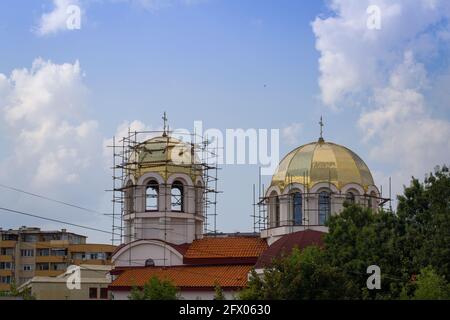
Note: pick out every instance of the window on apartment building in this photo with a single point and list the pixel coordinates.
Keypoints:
(45, 252)
(93, 256)
(58, 266)
(27, 252)
(29, 238)
(5, 279)
(103, 293)
(23, 280)
(97, 256)
(92, 293)
(42, 266)
(9, 237)
(6, 251)
(59, 252)
(27, 267)
(6, 266)
(77, 255)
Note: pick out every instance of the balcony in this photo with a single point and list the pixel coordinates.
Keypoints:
(8, 243)
(90, 261)
(4, 287)
(4, 272)
(46, 259)
(48, 273)
(6, 258)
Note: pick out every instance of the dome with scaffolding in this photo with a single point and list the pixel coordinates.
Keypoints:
(164, 155)
(322, 161)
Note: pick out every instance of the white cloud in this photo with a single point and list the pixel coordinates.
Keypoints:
(56, 20)
(291, 133)
(392, 73)
(50, 146)
(123, 131)
(43, 108)
(354, 58)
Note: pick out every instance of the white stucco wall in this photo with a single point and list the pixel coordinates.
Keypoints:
(184, 295)
(135, 254)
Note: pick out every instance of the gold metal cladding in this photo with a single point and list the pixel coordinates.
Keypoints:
(165, 156)
(322, 162)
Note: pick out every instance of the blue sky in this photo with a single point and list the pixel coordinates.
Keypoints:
(232, 64)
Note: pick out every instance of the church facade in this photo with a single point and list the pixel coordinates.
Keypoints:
(164, 213)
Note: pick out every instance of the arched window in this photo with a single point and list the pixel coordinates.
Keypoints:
(277, 211)
(177, 195)
(373, 200)
(129, 198)
(297, 213)
(350, 197)
(199, 198)
(149, 263)
(324, 207)
(274, 210)
(151, 196)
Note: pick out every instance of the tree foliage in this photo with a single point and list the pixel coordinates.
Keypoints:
(24, 294)
(411, 247)
(155, 289)
(303, 274)
(428, 286)
(218, 292)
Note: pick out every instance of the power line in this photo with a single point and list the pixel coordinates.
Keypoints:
(53, 200)
(53, 220)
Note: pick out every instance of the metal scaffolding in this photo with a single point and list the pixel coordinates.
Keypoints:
(262, 203)
(126, 163)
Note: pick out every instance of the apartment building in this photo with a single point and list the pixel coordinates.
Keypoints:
(28, 252)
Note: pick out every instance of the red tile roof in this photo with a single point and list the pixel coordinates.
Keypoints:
(185, 277)
(220, 250)
(286, 243)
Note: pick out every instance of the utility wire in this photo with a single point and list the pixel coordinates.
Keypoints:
(53, 200)
(53, 220)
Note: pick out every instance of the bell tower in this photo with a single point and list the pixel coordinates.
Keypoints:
(163, 191)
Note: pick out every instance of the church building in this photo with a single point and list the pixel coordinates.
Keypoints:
(164, 214)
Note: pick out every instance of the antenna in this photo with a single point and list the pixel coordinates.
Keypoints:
(390, 196)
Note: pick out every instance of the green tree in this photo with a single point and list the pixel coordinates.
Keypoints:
(428, 286)
(402, 244)
(301, 275)
(218, 292)
(155, 289)
(25, 294)
(423, 235)
(358, 238)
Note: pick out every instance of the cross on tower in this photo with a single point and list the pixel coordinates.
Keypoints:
(164, 117)
(321, 129)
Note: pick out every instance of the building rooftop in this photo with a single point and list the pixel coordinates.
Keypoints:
(225, 250)
(285, 244)
(185, 277)
(36, 230)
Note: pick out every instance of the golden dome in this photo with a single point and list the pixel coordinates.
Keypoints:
(164, 155)
(322, 162)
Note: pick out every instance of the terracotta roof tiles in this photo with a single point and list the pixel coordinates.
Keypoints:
(185, 277)
(226, 247)
(286, 243)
